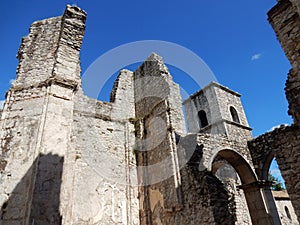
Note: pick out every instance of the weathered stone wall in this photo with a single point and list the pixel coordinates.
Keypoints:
(212, 144)
(242, 211)
(282, 205)
(103, 155)
(19, 140)
(227, 98)
(168, 196)
(158, 117)
(37, 53)
(285, 20)
(103, 140)
(36, 122)
(69, 159)
(231, 181)
(66, 159)
(283, 143)
(175, 170)
(153, 84)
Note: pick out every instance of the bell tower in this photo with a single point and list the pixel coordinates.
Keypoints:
(216, 109)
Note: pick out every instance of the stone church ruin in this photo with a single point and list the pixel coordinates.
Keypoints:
(70, 159)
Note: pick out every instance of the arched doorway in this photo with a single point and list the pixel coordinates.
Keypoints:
(252, 188)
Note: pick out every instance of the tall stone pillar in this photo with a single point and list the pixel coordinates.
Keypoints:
(271, 204)
(159, 120)
(256, 204)
(285, 20)
(36, 122)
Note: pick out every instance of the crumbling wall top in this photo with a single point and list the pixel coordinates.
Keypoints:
(51, 50)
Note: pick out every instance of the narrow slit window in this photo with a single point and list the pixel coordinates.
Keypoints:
(287, 212)
(234, 115)
(202, 118)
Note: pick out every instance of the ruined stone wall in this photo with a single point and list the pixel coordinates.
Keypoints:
(19, 139)
(36, 122)
(104, 169)
(242, 211)
(158, 117)
(285, 20)
(283, 143)
(237, 201)
(177, 187)
(37, 53)
(205, 200)
(103, 153)
(173, 190)
(69, 159)
(53, 138)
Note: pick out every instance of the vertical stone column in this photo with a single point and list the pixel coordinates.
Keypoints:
(159, 119)
(256, 204)
(285, 20)
(36, 123)
(271, 204)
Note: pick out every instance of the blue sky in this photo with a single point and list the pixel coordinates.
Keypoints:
(233, 38)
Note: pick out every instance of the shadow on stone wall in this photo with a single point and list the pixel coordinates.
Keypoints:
(223, 204)
(211, 192)
(46, 186)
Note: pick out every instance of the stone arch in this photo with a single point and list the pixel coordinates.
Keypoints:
(238, 162)
(264, 175)
(252, 188)
(266, 165)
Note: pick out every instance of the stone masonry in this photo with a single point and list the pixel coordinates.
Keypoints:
(284, 142)
(285, 208)
(69, 159)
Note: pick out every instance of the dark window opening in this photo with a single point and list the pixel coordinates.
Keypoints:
(234, 115)
(287, 212)
(202, 118)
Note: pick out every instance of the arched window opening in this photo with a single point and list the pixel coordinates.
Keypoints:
(234, 115)
(271, 172)
(202, 118)
(274, 175)
(287, 212)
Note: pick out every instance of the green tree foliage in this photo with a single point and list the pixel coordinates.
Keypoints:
(276, 184)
